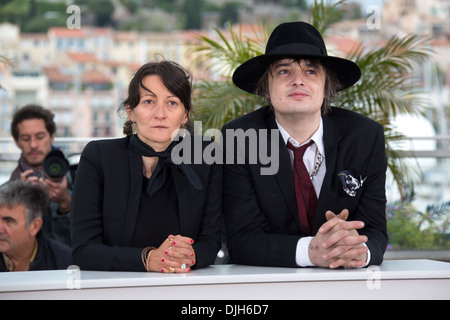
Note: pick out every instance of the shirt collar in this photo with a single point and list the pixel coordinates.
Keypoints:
(10, 265)
(317, 137)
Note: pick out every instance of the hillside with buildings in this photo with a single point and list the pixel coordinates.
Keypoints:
(82, 74)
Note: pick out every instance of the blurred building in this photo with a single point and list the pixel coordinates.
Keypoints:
(83, 74)
(431, 17)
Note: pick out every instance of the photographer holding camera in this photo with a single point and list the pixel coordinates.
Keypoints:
(33, 130)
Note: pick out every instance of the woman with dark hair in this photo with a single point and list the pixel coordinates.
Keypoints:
(133, 208)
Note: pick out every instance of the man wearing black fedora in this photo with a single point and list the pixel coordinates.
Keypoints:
(325, 206)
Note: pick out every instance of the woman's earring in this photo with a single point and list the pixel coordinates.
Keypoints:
(134, 127)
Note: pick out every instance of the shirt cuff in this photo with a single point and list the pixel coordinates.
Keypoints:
(368, 256)
(302, 254)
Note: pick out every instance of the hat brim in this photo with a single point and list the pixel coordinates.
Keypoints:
(247, 75)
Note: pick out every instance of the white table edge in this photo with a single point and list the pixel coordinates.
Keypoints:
(218, 274)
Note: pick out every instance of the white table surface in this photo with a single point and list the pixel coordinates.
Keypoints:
(241, 282)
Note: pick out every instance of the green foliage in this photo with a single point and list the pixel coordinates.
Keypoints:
(193, 14)
(386, 87)
(33, 16)
(409, 229)
(323, 15)
(101, 9)
(166, 5)
(224, 56)
(39, 16)
(233, 103)
(227, 54)
(302, 4)
(15, 11)
(229, 13)
(37, 25)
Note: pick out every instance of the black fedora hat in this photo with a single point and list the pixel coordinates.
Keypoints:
(294, 40)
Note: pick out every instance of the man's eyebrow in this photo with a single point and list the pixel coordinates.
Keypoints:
(8, 219)
(311, 65)
(305, 62)
(282, 65)
(27, 135)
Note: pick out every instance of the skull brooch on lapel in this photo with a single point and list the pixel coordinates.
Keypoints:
(349, 183)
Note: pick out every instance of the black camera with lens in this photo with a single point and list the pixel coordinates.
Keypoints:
(55, 165)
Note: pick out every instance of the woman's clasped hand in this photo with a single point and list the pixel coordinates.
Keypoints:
(175, 254)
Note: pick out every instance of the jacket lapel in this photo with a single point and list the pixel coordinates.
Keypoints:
(285, 174)
(328, 193)
(134, 197)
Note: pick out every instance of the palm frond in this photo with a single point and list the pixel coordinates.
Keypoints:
(323, 15)
(233, 103)
(223, 55)
(229, 51)
(387, 85)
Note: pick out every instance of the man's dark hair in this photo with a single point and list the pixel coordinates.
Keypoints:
(34, 198)
(32, 111)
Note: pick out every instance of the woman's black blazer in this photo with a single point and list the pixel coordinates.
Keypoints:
(105, 204)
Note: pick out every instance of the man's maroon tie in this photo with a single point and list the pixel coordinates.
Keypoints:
(304, 190)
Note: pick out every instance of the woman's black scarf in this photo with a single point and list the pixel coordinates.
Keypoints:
(159, 176)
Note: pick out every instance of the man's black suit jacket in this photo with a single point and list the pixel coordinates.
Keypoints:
(105, 206)
(260, 211)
